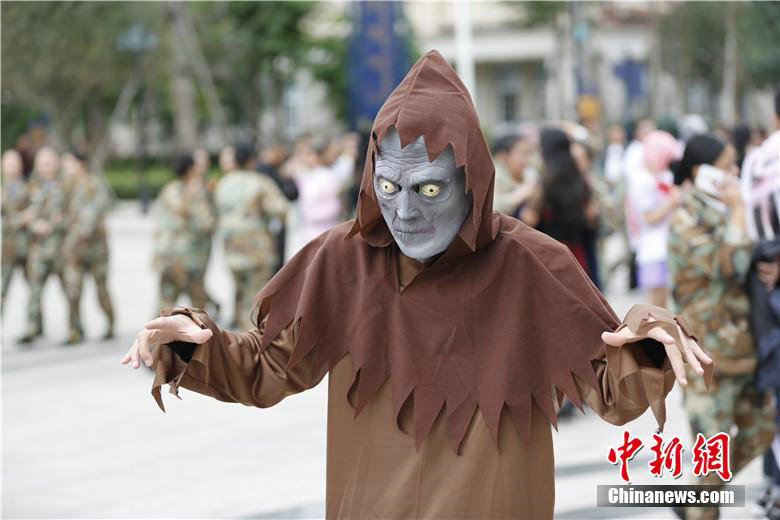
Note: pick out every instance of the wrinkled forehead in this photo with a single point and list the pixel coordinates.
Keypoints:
(413, 154)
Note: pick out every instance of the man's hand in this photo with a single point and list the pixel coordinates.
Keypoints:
(689, 348)
(161, 331)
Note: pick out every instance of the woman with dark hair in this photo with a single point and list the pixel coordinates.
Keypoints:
(709, 253)
(741, 136)
(183, 215)
(567, 213)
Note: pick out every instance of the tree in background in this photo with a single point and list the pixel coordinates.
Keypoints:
(256, 47)
(693, 39)
(61, 59)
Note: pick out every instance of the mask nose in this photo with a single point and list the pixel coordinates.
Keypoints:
(405, 210)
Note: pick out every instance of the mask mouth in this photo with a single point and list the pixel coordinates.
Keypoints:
(411, 235)
(406, 230)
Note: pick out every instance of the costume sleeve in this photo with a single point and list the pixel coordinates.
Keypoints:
(231, 366)
(639, 374)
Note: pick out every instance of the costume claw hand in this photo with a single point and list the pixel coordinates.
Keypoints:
(689, 349)
(161, 331)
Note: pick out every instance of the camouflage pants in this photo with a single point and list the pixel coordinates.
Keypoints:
(7, 266)
(175, 280)
(75, 269)
(733, 405)
(39, 268)
(248, 283)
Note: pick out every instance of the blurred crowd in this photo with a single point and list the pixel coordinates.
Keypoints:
(697, 208)
(53, 223)
(247, 205)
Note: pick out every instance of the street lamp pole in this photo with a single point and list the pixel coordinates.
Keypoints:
(137, 40)
(143, 184)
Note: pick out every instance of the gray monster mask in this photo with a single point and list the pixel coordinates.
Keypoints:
(423, 203)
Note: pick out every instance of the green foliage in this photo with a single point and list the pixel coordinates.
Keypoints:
(758, 29)
(62, 60)
(693, 34)
(15, 121)
(253, 47)
(62, 57)
(123, 177)
(126, 184)
(330, 67)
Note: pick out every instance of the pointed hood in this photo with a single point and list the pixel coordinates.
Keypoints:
(432, 101)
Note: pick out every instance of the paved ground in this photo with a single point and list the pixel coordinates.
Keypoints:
(82, 437)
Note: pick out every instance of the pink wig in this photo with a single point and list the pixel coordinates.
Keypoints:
(660, 149)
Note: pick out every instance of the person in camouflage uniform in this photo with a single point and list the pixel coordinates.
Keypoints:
(202, 162)
(46, 223)
(15, 200)
(246, 201)
(86, 241)
(709, 258)
(184, 216)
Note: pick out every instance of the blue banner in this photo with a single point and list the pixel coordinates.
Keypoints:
(378, 58)
(632, 73)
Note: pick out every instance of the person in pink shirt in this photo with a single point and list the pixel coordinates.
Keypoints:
(321, 184)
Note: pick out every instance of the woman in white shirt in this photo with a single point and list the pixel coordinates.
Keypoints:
(654, 195)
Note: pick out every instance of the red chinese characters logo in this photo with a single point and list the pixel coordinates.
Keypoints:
(712, 455)
(667, 457)
(624, 453)
(708, 455)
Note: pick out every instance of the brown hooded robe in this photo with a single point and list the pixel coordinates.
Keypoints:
(444, 378)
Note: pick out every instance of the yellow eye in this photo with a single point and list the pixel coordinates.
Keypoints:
(430, 190)
(387, 186)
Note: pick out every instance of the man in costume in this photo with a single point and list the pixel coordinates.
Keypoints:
(449, 332)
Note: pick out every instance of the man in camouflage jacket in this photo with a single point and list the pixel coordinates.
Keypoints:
(246, 201)
(184, 217)
(86, 241)
(15, 200)
(46, 224)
